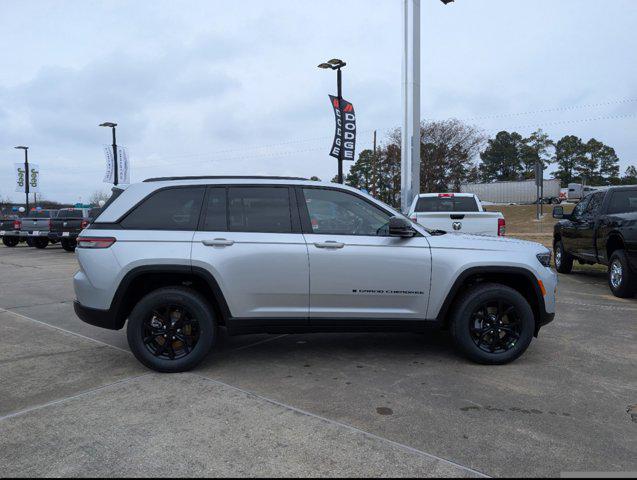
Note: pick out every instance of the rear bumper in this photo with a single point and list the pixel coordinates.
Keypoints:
(98, 318)
(62, 236)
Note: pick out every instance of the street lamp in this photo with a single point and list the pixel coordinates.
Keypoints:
(337, 64)
(26, 174)
(112, 126)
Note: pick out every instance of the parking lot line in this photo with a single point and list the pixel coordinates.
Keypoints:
(351, 428)
(19, 315)
(71, 397)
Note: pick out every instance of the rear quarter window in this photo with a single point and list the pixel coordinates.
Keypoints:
(168, 209)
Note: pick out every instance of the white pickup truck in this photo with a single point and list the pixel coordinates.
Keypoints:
(456, 212)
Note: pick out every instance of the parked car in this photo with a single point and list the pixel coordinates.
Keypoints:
(68, 224)
(602, 229)
(35, 227)
(177, 258)
(460, 212)
(10, 230)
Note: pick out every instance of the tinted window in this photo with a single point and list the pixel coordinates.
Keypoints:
(580, 207)
(595, 204)
(340, 213)
(43, 214)
(623, 202)
(71, 213)
(215, 217)
(447, 204)
(171, 209)
(259, 209)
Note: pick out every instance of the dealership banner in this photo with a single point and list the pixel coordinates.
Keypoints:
(123, 170)
(33, 177)
(345, 136)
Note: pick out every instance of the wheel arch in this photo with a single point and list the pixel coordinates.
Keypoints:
(520, 279)
(614, 242)
(142, 280)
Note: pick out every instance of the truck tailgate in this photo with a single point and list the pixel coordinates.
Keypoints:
(479, 223)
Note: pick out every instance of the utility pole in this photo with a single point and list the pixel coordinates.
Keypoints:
(115, 165)
(337, 64)
(26, 175)
(374, 167)
(410, 144)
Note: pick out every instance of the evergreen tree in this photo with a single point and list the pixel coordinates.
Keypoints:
(569, 152)
(502, 159)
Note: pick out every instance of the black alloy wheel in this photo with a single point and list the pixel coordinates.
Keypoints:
(495, 326)
(170, 332)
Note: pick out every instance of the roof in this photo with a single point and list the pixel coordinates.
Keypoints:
(221, 177)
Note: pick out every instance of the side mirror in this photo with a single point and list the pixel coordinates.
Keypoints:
(558, 212)
(400, 227)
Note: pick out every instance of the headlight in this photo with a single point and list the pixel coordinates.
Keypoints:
(544, 258)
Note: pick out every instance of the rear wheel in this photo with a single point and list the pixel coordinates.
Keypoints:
(171, 329)
(621, 280)
(492, 324)
(10, 241)
(40, 242)
(68, 245)
(563, 261)
(29, 241)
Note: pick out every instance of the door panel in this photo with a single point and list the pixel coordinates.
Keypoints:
(368, 277)
(260, 274)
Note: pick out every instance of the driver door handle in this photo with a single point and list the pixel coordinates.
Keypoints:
(329, 244)
(218, 242)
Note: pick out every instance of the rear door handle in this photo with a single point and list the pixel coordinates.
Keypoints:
(329, 244)
(218, 242)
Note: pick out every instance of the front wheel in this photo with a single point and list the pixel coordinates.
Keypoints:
(563, 261)
(621, 280)
(171, 329)
(10, 241)
(492, 324)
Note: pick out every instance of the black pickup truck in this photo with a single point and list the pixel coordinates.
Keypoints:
(601, 229)
(68, 224)
(10, 230)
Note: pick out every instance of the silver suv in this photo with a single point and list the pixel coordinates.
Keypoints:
(180, 257)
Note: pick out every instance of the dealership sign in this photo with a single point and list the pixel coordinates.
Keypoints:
(21, 178)
(123, 170)
(344, 144)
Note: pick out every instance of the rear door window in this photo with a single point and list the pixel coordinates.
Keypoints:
(168, 209)
(259, 209)
(446, 204)
(623, 202)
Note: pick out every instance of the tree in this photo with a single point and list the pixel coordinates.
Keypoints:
(98, 196)
(535, 149)
(569, 152)
(599, 165)
(630, 176)
(502, 159)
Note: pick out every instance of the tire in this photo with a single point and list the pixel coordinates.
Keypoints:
(40, 243)
(10, 241)
(68, 245)
(165, 301)
(475, 333)
(621, 280)
(29, 241)
(563, 261)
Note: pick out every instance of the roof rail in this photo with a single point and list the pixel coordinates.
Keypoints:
(221, 177)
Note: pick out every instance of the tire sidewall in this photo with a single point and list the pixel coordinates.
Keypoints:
(199, 308)
(462, 318)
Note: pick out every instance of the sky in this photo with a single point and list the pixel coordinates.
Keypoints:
(214, 87)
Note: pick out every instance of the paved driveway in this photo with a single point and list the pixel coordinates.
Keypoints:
(73, 400)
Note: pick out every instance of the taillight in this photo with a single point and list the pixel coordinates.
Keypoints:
(501, 227)
(50, 224)
(414, 219)
(17, 224)
(95, 242)
(84, 224)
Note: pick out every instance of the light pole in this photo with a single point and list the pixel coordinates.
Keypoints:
(26, 174)
(115, 172)
(410, 144)
(336, 64)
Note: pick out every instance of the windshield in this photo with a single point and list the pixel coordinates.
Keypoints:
(447, 204)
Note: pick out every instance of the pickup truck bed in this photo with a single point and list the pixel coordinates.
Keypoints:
(456, 212)
(68, 224)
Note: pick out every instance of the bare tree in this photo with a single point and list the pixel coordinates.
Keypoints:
(97, 196)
